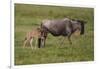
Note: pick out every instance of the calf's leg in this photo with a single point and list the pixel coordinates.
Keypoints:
(25, 43)
(31, 40)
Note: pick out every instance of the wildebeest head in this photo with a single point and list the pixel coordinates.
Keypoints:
(41, 40)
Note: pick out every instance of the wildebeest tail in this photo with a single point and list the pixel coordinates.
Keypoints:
(82, 28)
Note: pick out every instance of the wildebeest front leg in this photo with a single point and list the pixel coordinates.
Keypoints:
(39, 42)
(42, 42)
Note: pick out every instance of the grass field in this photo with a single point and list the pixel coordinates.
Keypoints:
(30, 16)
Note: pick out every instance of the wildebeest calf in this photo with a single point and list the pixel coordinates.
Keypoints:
(34, 34)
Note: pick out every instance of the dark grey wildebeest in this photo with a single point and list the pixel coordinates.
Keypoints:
(60, 27)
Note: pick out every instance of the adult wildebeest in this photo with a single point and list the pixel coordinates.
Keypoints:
(61, 27)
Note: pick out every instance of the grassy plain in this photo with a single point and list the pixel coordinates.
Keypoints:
(30, 16)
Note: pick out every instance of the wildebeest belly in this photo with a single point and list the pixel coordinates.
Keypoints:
(55, 33)
(57, 30)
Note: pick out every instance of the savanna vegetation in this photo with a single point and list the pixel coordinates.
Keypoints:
(29, 16)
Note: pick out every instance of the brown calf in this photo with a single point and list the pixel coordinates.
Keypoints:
(34, 34)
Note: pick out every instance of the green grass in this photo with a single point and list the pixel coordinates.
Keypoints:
(30, 16)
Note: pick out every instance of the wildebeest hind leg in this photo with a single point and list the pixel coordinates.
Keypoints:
(69, 40)
(62, 41)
